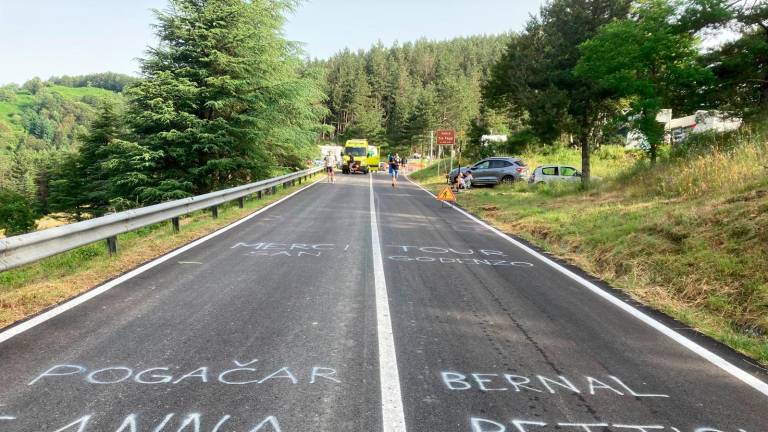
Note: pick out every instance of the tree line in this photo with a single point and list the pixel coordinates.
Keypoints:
(582, 68)
(395, 96)
(115, 82)
(580, 71)
(223, 99)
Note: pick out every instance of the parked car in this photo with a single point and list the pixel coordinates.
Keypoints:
(554, 173)
(493, 171)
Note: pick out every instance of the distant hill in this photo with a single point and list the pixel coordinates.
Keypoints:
(43, 116)
(40, 123)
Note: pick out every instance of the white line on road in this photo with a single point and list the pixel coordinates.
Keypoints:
(45, 316)
(713, 358)
(393, 417)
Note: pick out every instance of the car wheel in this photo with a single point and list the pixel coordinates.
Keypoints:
(507, 180)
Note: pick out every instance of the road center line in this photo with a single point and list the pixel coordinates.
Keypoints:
(708, 355)
(393, 417)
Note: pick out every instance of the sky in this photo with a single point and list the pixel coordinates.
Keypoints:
(72, 37)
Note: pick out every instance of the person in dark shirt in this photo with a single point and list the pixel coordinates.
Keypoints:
(394, 168)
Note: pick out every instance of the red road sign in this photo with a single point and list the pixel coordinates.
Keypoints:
(446, 137)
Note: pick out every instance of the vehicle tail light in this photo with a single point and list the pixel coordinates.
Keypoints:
(520, 170)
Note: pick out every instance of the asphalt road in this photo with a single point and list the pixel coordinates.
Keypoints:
(312, 316)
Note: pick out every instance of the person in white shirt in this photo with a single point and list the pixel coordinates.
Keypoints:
(468, 180)
(330, 162)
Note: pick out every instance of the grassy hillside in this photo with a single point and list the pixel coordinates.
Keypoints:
(688, 236)
(16, 110)
(10, 111)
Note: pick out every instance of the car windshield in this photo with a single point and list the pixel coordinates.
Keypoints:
(520, 163)
(355, 151)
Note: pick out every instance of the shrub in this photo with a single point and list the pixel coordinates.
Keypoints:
(16, 213)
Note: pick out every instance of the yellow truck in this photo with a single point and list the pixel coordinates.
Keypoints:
(365, 157)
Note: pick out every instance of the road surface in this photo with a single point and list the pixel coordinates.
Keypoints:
(358, 307)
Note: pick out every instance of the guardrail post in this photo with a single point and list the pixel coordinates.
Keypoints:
(241, 202)
(112, 245)
(259, 195)
(28, 248)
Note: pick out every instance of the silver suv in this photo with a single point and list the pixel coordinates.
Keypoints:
(494, 170)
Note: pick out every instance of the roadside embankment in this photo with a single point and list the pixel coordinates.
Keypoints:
(687, 236)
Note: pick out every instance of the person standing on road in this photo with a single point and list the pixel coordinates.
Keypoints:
(330, 162)
(394, 168)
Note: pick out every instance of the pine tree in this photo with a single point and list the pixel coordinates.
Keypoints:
(16, 213)
(224, 99)
(93, 152)
(536, 76)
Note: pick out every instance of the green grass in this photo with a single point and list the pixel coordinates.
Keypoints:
(688, 236)
(32, 288)
(10, 111)
(80, 92)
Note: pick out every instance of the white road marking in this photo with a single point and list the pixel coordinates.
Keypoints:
(190, 262)
(58, 310)
(393, 417)
(708, 355)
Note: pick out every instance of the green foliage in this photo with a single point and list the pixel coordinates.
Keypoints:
(16, 213)
(54, 117)
(34, 85)
(223, 100)
(657, 67)
(82, 184)
(535, 78)
(108, 81)
(396, 96)
(741, 68)
(38, 132)
(67, 189)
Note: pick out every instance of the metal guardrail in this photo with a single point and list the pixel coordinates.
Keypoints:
(27, 248)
